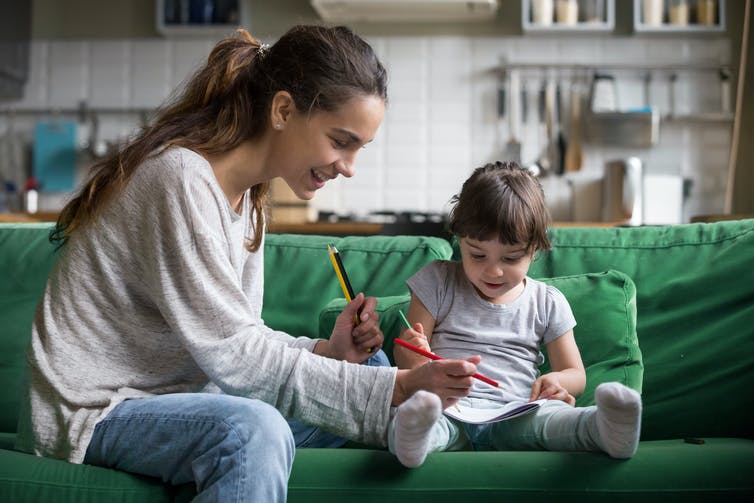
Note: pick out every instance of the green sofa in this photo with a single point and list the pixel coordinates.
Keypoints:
(666, 310)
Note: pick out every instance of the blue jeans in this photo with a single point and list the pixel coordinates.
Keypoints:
(311, 436)
(234, 449)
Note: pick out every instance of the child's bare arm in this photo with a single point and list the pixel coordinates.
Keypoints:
(567, 378)
(419, 335)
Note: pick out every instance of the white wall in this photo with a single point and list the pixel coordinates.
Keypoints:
(441, 120)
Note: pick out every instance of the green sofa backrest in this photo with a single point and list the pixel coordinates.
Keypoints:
(26, 257)
(300, 280)
(695, 317)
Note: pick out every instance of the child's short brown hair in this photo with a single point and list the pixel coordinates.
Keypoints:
(502, 201)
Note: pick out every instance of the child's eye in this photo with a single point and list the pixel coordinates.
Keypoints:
(512, 260)
(476, 256)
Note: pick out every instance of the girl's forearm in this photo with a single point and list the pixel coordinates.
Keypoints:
(573, 380)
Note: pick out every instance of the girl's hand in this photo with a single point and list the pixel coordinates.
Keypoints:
(548, 386)
(448, 379)
(415, 336)
(353, 343)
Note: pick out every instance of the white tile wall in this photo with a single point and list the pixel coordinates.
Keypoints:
(441, 120)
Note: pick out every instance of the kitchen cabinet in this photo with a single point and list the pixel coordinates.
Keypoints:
(198, 17)
(679, 16)
(564, 16)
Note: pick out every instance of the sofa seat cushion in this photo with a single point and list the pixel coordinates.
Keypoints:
(660, 471)
(24, 477)
(604, 305)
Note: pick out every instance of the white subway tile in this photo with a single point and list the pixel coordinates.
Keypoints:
(151, 74)
(187, 57)
(37, 89)
(109, 77)
(69, 73)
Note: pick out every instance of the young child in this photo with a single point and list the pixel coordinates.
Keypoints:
(486, 305)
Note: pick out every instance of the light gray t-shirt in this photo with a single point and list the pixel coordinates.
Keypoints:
(159, 295)
(509, 337)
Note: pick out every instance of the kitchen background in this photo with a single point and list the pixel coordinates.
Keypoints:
(564, 95)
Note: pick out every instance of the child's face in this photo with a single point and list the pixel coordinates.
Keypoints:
(496, 270)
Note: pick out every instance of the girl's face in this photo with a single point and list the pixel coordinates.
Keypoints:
(496, 270)
(317, 148)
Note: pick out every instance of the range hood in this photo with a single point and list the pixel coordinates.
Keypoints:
(342, 11)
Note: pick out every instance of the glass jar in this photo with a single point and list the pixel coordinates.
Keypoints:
(567, 12)
(678, 12)
(706, 12)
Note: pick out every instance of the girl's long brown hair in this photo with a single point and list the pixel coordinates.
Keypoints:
(227, 102)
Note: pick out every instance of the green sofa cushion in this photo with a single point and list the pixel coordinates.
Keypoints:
(661, 471)
(387, 310)
(376, 265)
(604, 305)
(695, 305)
(31, 478)
(25, 262)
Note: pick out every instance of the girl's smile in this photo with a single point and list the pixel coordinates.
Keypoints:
(496, 270)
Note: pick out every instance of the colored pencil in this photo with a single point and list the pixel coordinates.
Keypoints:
(345, 284)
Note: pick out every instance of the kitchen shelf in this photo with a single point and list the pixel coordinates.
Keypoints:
(665, 27)
(710, 117)
(196, 18)
(604, 23)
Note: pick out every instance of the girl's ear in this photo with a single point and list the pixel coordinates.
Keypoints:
(281, 109)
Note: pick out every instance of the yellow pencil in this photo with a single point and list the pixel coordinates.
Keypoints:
(345, 285)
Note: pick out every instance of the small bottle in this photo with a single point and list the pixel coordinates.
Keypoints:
(31, 196)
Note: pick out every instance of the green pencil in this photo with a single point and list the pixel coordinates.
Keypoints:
(403, 317)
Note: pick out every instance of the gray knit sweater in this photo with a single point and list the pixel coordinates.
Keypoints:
(159, 295)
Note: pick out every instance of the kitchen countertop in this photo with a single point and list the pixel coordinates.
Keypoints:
(343, 228)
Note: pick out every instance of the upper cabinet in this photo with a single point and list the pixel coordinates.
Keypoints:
(668, 16)
(568, 15)
(197, 17)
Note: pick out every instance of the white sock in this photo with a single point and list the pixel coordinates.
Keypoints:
(618, 419)
(414, 419)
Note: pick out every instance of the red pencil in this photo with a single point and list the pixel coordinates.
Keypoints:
(433, 356)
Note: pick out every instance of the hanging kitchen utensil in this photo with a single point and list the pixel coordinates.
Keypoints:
(512, 150)
(574, 156)
(546, 159)
(502, 105)
(604, 95)
(559, 123)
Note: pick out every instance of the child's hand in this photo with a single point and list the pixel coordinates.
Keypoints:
(548, 387)
(415, 336)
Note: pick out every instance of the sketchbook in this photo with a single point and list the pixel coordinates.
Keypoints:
(474, 415)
